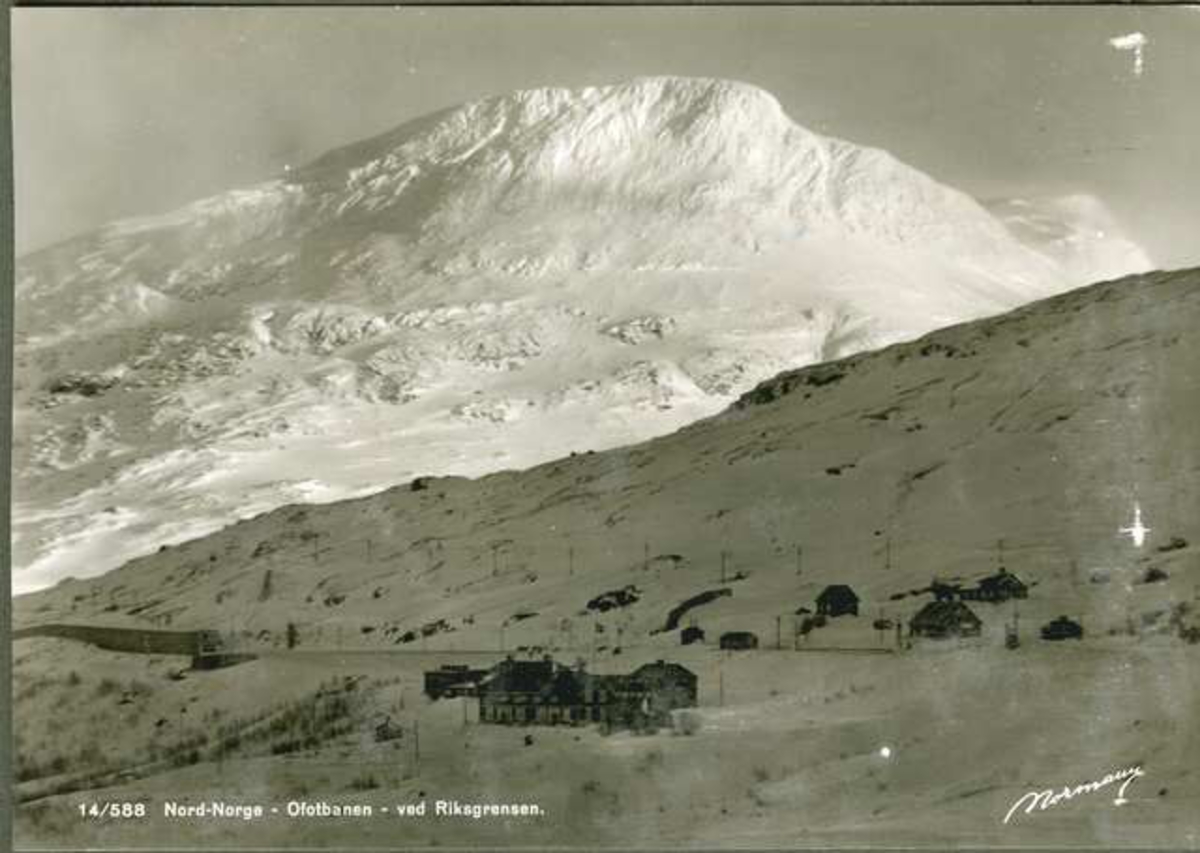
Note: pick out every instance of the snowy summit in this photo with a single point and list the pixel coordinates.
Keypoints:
(486, 287)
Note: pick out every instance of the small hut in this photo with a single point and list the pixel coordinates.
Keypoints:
(943, 619)
(998, 587)
(691, 634)
(1062, 628)
(837, 600)
(738, 640)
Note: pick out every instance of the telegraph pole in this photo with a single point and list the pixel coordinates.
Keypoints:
(417, 745)
(778, 633)
(723, 558)
(799, 559)
(571, 561)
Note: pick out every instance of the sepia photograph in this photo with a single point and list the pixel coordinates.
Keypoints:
(611, 427)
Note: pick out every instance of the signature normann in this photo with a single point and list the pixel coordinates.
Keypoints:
(1045, 799)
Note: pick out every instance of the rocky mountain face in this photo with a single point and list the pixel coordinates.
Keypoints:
(1029, 440)
(487, 287)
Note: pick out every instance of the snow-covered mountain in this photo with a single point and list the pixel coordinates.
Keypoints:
(1077, 231)
(486, 287)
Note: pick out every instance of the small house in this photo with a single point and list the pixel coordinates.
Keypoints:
(738, 640)
(691, 634)
(1062, 628)
(667, 686)
(998, 587)
(837, 600)
(943, 619)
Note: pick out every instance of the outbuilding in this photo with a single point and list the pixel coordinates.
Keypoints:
(1062, 628)
(941, 620)
(738, 640)
(998, 587)
(837, 600)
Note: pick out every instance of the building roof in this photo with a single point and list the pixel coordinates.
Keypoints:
(943, 614)
(837, 590)
(1002, 579)
(521, 676)
(664, 668)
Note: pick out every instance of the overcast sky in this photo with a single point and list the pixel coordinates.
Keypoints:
(122, 112)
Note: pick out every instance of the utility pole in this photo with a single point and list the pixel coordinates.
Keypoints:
(887, 554)
(417, 745)
(799, 559)
(368, 550)
(779, 633)
(495, 560)
(1000, 553)
(723, 558)
(645, 556)
(571, 561)
(720, 686)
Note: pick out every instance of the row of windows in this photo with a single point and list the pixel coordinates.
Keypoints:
(528, 714)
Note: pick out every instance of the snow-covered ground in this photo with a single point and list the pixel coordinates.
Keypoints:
(484, 288)
(1033, 439)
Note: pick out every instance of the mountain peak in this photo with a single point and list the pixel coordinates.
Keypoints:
(483, 287)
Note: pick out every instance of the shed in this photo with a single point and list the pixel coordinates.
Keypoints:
(837, 600)
(998, 587)
(943, 619)
(691, 634)
(1062, 628)
(668, 686)
(738, 640)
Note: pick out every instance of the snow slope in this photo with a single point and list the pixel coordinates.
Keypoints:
(1047, 427)
(482, 288)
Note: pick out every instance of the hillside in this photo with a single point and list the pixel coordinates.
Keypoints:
(1044, 427)
(488, 287)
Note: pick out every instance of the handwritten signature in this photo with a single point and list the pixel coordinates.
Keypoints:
(1042, 800)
